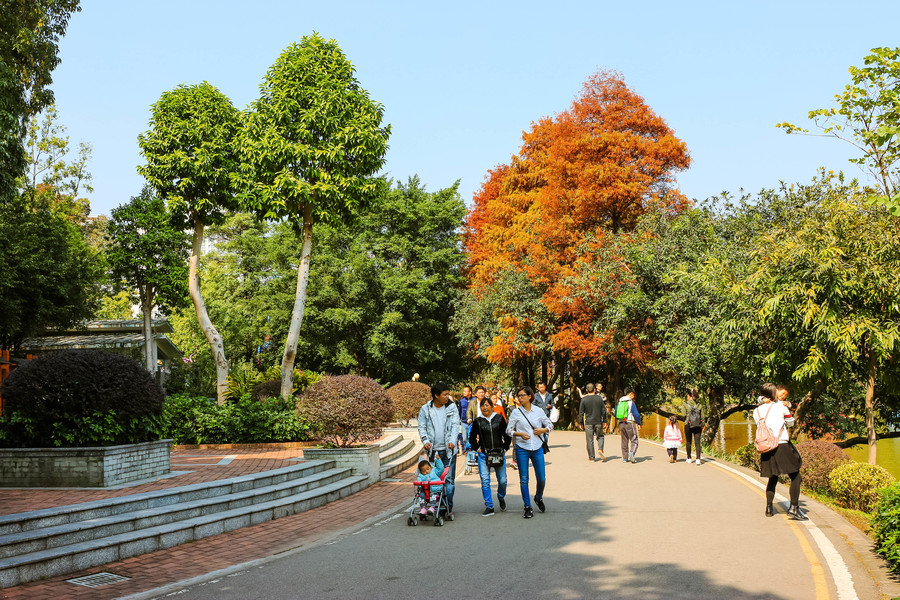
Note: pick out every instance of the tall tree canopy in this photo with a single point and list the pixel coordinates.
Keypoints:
(191, 157)
(29, 44)
(585, 174)
(311, 144)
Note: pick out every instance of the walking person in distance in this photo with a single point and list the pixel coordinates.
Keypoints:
(630, 418)
(693, 424)
(592, 415)
(528, 425)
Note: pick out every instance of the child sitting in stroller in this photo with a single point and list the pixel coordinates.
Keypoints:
(429, 495)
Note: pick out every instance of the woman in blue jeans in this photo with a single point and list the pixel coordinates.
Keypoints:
(489, 439)
(528, 425)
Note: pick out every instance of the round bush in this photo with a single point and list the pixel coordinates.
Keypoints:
(408, 397)
(267, 389)
(748, 456)
(347, 410)
(819, 459)
(885, 526)
(857, 485)
(80, 398)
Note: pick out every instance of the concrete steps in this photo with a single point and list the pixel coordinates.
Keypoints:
(398, 452)
(49, 542)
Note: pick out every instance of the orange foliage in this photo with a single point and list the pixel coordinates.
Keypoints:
(589, 172)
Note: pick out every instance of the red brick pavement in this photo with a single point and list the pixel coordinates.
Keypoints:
(201, 463)
(164, 567)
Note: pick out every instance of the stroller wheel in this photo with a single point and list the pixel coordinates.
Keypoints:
(410, 521)
(439, 522)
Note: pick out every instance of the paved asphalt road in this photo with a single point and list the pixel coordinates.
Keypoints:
(650, 530)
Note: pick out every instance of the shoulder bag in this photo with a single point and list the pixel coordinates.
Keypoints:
(544, 445)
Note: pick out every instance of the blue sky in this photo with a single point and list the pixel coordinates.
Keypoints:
(461, 81)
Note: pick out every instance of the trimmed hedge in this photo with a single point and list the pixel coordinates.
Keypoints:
(819, 459)
(408, 397)
(857, 485)
(885, 526)
(190, 420)
(347, 410)
(75, 398)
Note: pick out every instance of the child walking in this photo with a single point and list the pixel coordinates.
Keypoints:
(672, 439)
(427, 473)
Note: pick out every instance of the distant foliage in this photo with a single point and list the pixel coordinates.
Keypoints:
(408, 397)
(819, 459)
(190, 420)
(80, 398)
(885, 526)
(857, 485)
(347, 410)
(748, 457)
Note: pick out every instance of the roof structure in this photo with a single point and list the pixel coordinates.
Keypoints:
(111, 334)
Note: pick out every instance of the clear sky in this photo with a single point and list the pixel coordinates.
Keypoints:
(461, 81)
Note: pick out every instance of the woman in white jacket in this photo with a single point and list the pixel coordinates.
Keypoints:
(783, 460)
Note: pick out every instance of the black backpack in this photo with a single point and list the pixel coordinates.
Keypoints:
(693, 418)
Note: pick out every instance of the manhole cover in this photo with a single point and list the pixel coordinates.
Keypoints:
(98, 579)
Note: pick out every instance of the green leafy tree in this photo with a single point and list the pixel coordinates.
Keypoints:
(49, 278)
(149, 255)
(191, 156)
(311, 143)
(868, 117)
(29, 44)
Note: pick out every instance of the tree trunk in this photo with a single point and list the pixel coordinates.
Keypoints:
(290, 346)
(805, 407)
(212, 335)
(146, 311)
(870, 407)
(714, 416)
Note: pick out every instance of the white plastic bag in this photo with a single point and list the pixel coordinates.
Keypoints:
(554, 415)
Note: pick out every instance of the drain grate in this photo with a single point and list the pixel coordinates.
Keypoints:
(98, 579)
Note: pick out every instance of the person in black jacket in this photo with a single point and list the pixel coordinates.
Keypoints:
(489, 439)
(592, 415)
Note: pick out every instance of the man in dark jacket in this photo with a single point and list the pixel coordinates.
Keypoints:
(592, 414)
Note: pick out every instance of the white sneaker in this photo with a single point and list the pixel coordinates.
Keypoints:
(698, 461)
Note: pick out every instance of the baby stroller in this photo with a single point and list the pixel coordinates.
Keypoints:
(430, 493)
(471, 455)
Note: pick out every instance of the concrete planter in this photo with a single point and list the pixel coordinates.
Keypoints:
(363, 461)
(83, 467)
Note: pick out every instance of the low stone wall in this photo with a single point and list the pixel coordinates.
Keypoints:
(362, 461)
(83, 467)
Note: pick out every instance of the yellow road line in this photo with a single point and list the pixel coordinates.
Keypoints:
(818, 572)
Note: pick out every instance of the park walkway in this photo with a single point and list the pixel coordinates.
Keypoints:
(612, 530)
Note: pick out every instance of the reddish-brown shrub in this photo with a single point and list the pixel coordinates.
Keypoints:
(408, 397)
(346, 410)
(819, 459)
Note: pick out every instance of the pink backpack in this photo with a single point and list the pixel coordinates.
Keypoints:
(765, 440)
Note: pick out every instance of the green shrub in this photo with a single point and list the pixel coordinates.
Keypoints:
(857, 485)
(80, 398)
(201, 421)
(819, 459)
(747, 456)
(408, 397)
(346, 410)
(885, 526)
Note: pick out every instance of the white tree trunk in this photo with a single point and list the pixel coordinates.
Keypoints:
(290, 346)
(870, 407)
(212, 335)
(146, 310)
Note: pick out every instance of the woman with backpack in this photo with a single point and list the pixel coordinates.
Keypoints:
(784, 458)
(693, 424)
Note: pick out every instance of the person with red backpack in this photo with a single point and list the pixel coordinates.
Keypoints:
(783, 459)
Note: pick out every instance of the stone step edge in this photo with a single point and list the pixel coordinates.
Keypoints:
(397, 449)
(75, 557)
(408, 459)
(80, 527)
(17, 522)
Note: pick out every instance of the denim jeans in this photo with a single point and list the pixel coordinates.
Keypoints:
(485, 473)
(451, 474)
(537, 459)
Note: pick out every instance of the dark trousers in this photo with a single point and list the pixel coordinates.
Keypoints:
(795, 488)
(590, 432)
(692, 434)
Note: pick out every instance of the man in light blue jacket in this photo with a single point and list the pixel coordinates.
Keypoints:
(439, 429)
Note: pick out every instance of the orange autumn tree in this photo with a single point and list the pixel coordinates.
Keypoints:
(579, 178)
